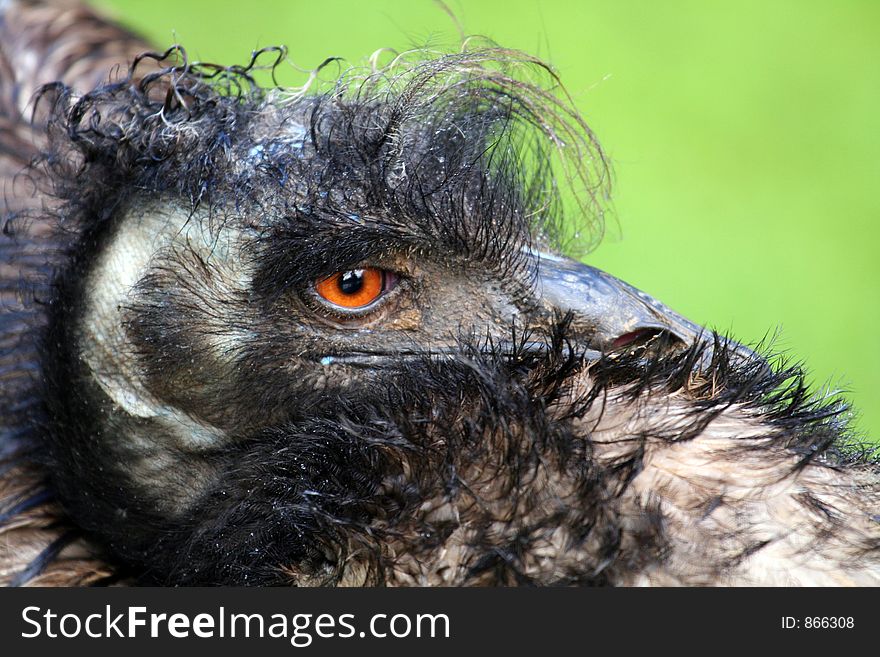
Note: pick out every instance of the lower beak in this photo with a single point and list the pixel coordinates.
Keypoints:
(614, 315)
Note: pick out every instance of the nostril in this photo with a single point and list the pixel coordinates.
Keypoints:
(642, 338)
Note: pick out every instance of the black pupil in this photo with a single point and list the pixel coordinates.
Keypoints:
(351, 281)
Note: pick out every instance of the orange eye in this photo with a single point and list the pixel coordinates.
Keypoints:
(355, 288)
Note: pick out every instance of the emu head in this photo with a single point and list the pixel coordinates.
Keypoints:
(329, 338)
(299, 331)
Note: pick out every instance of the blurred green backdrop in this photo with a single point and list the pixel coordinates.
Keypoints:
(745, 138)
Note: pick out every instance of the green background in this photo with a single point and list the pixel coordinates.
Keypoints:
(745, 139)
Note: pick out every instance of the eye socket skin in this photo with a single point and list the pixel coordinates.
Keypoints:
(355, 289)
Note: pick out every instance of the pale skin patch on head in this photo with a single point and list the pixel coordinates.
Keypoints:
(111, 287)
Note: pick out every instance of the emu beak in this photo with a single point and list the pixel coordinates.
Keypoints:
(614, 314)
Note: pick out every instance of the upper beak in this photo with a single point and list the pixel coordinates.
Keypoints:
(612, 314)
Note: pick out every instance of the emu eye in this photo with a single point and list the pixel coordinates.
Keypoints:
(356, 288)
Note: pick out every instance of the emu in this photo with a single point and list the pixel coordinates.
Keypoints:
(256, 337)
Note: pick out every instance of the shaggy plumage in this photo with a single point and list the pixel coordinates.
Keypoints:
(185, 408)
